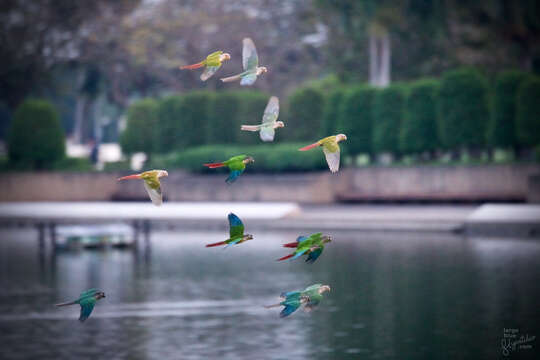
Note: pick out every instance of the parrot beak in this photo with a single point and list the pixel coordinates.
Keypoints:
(281, 124)
(343, 136)
(226, 56)
(163, 173)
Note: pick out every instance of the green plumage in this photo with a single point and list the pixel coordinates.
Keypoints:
(86, 300)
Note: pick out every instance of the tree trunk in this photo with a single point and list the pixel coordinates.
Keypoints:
(373, 60)
(386, 53)
(380, 56)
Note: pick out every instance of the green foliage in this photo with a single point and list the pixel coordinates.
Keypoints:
(122, 165)
(528, 112)
(418, 131)
(193, 119)
(462, 105)
(168, 127)
(355, 119)
(268, 158)
(224, 121)
(332, 105)
(36, 139)
(306, 106)
(141, 131)
(501, 132)
(73, 164)
(388, 113)
(252, 108)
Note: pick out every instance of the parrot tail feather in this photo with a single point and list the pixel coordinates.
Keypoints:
(250, 127)
(309, 147)
(291, 245)
(129, 177)
(231, 78)
(66, 303)
(216, 244)
(214, 165)
(286, 257)
(272, 306)
(192, 67)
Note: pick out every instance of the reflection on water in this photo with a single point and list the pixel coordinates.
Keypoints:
(406, 296)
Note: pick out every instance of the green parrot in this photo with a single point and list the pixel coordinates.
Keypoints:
(236, 233)
(269, 123)
(308, 298)
(86, 300)
(212, 62)
(330, 147)
(312, 246)
(151, 183)
(250, 62)
(236, 165)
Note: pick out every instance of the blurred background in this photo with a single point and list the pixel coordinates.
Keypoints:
(434, 213)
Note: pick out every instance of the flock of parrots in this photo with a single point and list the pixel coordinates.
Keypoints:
(312, 246)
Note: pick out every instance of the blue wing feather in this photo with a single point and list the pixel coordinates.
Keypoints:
(248, 79)
(301, 238)
(86, 310)
(236, 227)
(233, 175)
(298, 254)
(312, 256)
(288, 310)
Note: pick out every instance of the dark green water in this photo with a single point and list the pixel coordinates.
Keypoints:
(408, 296)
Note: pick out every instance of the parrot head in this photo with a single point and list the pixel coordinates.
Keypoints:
(99, 295)
(248, 160)
(247, 237)
(162, 173)
(280, 124)
(324, 288)
(261, 70)
(341, 137)
(225, 56)
(326, 239)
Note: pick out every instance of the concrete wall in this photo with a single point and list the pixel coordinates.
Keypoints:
(444, 183)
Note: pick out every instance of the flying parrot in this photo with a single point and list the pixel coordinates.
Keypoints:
(250, 62)
(236, 233)
(86, 300)
(330, 146)
(312, 246)
(212, 62)
(236, 165)
(151, 183)
(308, 298)
(269, 123)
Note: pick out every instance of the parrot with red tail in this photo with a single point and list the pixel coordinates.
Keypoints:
(151, 183)
(330, 147)
(312, 246)
(212, 62)
(236, 165)
(236, 233)
(308, 298)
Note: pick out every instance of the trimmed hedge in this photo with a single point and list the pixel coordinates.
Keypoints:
(418, 131)
(528, 112)
(268, 158)
(36, 139)
(388, 113)
(193, 119)
(463, 112)
(355, 119)
(501, 131)
(306, 106)
(140, 133)
(330, 120)
(224, 121)
(168, 127)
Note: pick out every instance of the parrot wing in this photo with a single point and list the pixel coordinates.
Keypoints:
(267, 133)
(271, 112)
(299, 253)
(313, 255)
(248, 79)
(233, 175)
(87, 305)
(154, 193)
(236, 227)
(316, 236)
(302, 238)
(208, 72)
(332, 158)
(215, 53)
(250, 60)
(288, 310)
(89, 292)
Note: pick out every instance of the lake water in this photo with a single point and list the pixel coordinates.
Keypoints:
(393, 297)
